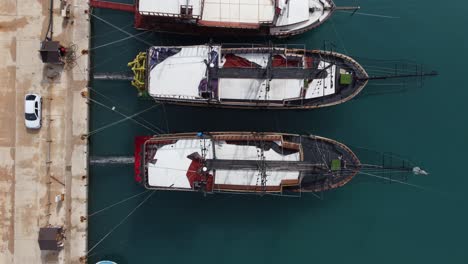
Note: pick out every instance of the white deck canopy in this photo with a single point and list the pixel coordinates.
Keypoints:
(293, 11)
(239, 11)
(299, 14)
(172, 164)
(322, 87)
(169, 6)
(180, 75)
(255, 89)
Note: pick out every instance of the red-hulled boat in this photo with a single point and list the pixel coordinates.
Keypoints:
(279, 18)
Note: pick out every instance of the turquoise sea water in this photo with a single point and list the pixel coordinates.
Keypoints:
(366, 221)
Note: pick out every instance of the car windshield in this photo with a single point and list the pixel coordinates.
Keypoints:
(30, 117)
(30, 97)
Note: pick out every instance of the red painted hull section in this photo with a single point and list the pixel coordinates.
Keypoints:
(113, 6)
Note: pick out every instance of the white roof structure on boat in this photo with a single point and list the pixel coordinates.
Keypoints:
(293, 12)
(180, 75)
(170, 169)
(298, 14)
(252, 177)
(292, 15)
(255, 89)
(322, 87)
(169, 6)
(239, 11)
(172, 164)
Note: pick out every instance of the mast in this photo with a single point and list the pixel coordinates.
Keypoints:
(268, 73)
(262, 166)
(203, 171)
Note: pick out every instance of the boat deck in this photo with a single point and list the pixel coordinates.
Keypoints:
(322, 164)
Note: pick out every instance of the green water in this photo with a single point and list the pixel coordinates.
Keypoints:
(366, 221)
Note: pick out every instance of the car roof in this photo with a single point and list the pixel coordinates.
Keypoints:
(29, 106)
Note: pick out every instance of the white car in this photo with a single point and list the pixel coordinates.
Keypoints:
(32, 111)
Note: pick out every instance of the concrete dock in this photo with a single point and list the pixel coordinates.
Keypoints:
(36, 166)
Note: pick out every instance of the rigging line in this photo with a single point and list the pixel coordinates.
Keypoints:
(390, 69)
(371, 165)
(122, 51)
(116, 103)
(121, 222)
(121, 30)
(447, 195)
(389, 72)
(380, 171)
(397, 181)
(117, 41)
(110, 58)
(124, 115)
(368, 14)
(110, 31)
(323, 158)
(176, 169)
(117, 203)
(338, 35)
(129, 117)
(118, 121)
(316, 195)
(165, 117)
(387, 154)
(387, 84)
(380, 61)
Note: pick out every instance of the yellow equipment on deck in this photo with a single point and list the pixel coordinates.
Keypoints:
(138, 66)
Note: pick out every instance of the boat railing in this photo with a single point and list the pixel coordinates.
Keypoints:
(177, 96)
(161, 14)
(265, 22)
(265, 46)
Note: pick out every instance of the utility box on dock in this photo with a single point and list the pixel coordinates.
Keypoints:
(51, 238)
(50, 52)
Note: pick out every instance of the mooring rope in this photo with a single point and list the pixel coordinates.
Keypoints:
(338, 36)
(115, 103)
(128, 117)
(117, 203)
(397, 181)
(119, 29)
(110, 31)
(120, 121)
(121, 222)
(117, 41)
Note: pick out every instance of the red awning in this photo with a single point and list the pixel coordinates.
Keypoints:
(233, 61)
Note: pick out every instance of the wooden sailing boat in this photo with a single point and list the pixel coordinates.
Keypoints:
(258, 163)
(243, 162)
(279, 18)
(270, 77)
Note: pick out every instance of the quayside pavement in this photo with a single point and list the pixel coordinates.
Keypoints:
(38, 165)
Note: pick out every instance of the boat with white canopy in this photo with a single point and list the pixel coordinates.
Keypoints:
(274, 77)
(279, 18)
(243, 162)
